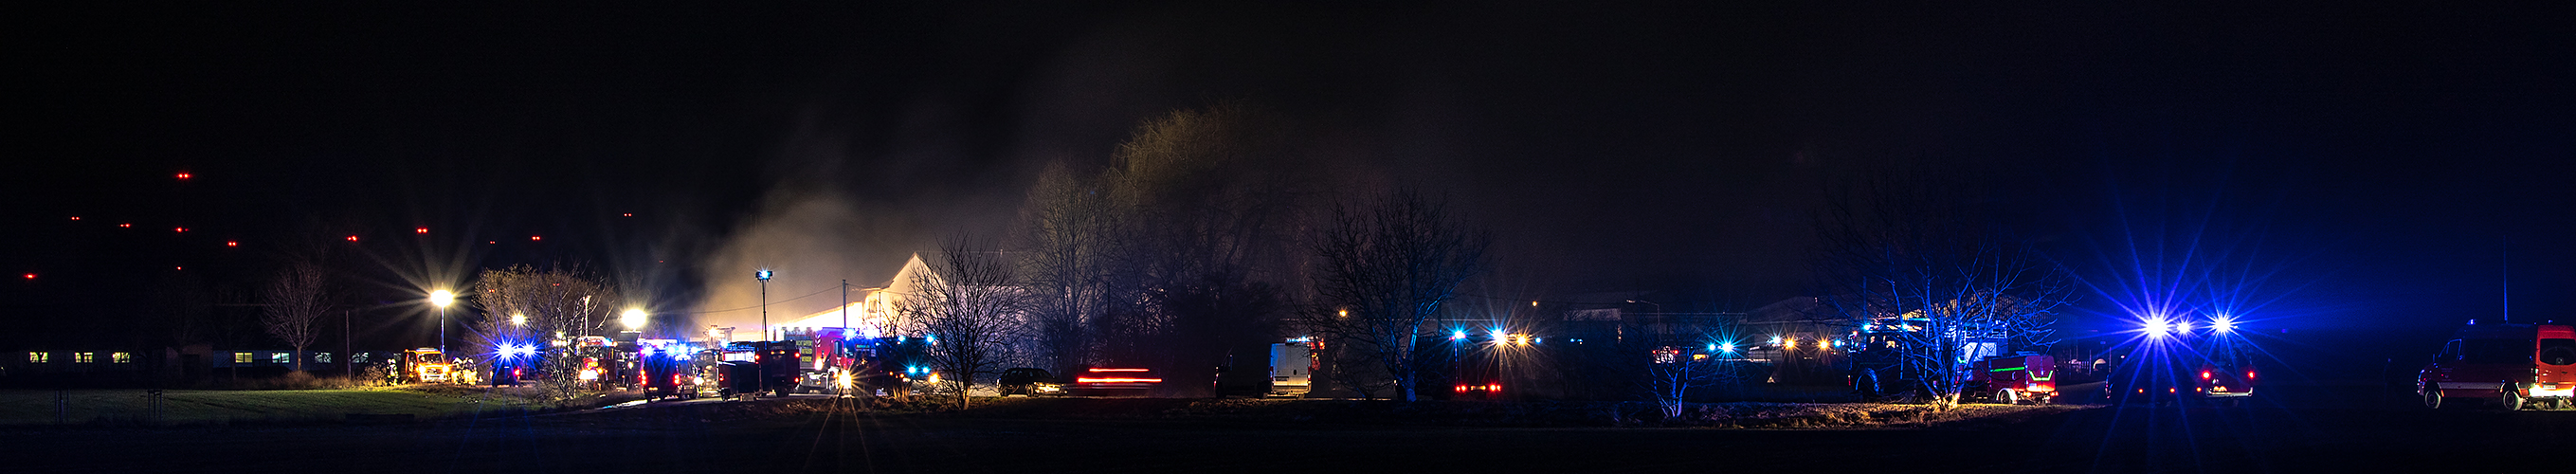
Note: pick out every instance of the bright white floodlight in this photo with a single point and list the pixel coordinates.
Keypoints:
(633, 318)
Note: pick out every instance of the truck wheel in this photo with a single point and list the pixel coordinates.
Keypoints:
(2433, 398)
(2512, 399)
(2007, 397)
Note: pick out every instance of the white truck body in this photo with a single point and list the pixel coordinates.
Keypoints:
(1292, 367)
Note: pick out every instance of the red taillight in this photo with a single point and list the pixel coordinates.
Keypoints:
(2204, 375)
(2249, 375)
(1462, 389)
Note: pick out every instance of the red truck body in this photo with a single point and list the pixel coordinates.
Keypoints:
(2012, 379)
(2519, 366)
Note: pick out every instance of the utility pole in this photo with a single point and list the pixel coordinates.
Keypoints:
(347, 350)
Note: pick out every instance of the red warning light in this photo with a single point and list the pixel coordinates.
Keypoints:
(125, 225)
(492, 241)
(420, 230)
(533, 237)
(630, 214)
(229, 243)
(178, 268)
(185, 175)
(75, 217)
(31, 276)
(179, 229)
(353, 238)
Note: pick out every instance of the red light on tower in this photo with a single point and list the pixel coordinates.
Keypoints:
(31, 276)
(185, 175)
(533, 237)
(420, 230)
(75, 217)
(630, 214)
(229, 243)
(353, 238)
(179, 229)
(125, 225)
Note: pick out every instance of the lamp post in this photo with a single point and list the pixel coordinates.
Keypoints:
(441, 299)
(763, 275)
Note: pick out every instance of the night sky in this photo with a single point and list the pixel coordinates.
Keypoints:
(2350, 165)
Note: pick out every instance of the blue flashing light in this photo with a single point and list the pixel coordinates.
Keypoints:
(1712, 347)
(1775, 340)
(1459, 334)
(763, 275)
(2158, 327)
(2223, 324)
(1726, 348)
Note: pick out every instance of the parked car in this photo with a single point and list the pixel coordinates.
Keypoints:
(1030, 381)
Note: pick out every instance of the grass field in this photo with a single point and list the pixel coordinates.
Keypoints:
(200, 407)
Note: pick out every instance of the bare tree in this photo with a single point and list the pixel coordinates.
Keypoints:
(972, 310)
(1174, 252)
(1381, 272)
(548, 310)
(296, 299)
(1066, 247)
(1908, 264)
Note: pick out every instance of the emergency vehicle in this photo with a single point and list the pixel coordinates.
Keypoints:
(2025, 377)
(760, 366)
(427, 365)
(665, 368)
(2519, 366)
(1292, 368)
(2182, 361)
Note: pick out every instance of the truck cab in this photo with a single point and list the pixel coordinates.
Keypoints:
(427, 365)
(2519, 366)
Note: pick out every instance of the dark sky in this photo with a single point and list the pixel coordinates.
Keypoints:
(2349, 163)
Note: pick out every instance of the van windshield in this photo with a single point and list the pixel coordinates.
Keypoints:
(2496, 351)
(2558, 351)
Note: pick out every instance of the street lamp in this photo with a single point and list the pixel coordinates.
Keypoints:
(441, 299)
(763, 275)
(518, 319)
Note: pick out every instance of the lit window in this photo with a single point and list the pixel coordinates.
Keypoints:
(322, 357)
(39, 357)
(281, 358)
(84, 357)
(241, 357)
(121, 357)
(358, 357)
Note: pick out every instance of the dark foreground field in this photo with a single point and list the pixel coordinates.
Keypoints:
(2334, 431)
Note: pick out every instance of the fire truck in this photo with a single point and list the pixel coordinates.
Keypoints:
(754, 367)
(2024, 377)
(664, 369)
(2519, 366)
(427, 365)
